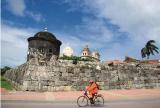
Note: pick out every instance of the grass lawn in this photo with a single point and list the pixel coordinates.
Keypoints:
(5, 84)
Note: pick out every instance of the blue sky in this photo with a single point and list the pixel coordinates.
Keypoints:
(115, 28)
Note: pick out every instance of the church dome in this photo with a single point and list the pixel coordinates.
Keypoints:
(96, 54)
(68, 51)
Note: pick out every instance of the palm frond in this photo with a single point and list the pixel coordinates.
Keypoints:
(151, 51)
(156, 51)
(151, 41)
(153, 46)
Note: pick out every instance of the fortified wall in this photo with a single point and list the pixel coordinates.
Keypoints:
(43, 71)
(64, 75)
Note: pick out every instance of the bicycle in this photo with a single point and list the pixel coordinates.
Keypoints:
(83, 101)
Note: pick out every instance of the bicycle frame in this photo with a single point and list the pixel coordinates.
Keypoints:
(85, 96)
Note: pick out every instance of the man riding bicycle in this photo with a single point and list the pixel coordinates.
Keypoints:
(92, 88)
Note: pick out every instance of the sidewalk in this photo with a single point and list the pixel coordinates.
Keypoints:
(109, 95)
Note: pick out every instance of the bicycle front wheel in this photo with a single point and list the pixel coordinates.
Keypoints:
(99, 101)
(82, 101)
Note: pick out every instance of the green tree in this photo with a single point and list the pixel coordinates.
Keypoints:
(149, 49)
(4, 69)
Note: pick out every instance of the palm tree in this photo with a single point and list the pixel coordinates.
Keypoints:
(149, 49)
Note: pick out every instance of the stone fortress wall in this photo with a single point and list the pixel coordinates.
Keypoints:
(43, 71)
(64, 75)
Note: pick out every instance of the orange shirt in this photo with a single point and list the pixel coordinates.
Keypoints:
(92, 89)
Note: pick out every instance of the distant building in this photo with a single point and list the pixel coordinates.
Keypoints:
(112, 62)
(96, 55)
(130, 59)
(87, 54)
(68, 51)
(150, 61)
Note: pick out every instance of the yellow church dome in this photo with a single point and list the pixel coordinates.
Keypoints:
(68, 51)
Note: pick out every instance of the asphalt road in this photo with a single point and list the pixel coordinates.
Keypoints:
(154, 103)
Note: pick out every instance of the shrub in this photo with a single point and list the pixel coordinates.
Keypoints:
(5, 84)
(4, 69)
(74, 58)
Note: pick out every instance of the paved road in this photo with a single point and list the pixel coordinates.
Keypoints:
(154, 103)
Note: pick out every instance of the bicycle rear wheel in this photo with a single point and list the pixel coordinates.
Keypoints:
(99, 101)
(82, 101)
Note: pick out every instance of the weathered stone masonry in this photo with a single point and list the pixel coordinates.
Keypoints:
(63, 75)
(43, 71)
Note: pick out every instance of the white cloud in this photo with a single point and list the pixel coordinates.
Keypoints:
(138, 18)
(19, 8)
(36, 16)
(14, 44)
(94, 30)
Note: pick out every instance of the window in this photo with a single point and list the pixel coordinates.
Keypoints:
(50, 50)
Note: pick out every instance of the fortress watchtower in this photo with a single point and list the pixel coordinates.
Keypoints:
(43, 45)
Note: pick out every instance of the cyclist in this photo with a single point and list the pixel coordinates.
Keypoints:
(92, 88)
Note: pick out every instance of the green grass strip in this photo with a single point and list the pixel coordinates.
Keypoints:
(6, 84)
